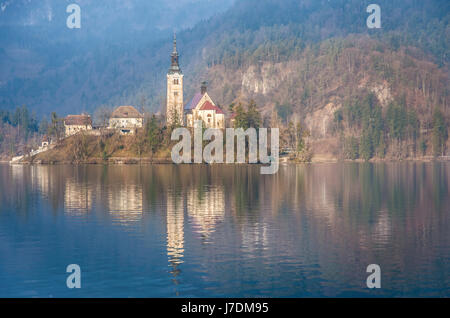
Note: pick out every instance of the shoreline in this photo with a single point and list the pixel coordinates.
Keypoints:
(160, 161)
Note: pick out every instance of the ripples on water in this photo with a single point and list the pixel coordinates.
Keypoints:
(168, 231)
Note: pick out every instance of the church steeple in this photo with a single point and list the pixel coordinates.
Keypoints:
(174, 67)
(175, 104)
(175, 43)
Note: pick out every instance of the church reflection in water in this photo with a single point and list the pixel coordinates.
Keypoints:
(218, 226)
(175, 232)
(125, 202)
(205, 209)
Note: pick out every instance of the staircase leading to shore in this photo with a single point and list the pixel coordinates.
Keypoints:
(32, 153)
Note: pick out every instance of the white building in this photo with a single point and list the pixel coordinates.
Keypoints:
(76, 123)
(126, 119)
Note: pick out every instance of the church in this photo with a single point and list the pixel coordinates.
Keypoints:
(201, 106)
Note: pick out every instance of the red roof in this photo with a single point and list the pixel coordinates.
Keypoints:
(208, 106)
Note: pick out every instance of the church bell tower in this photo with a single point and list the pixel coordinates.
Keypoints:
(175, 106)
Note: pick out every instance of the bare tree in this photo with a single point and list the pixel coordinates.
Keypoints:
(102, 115)
(80, 147)
(101, 118)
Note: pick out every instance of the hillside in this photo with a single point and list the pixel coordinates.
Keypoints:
(300, 70)
(49, 67)
(321, 81)
(122, 61)
(110, 148)
(313, 63)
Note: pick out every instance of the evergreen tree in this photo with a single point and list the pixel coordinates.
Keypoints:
(440, 133)
(283, 111)
(253, 115)
(351, 148)
(57, 126)
(246, 119)
(366, 146)
(338, 119)
(397, 120)
(413, 129)
(44, 126)
(372, 138)
(5, 116)
(423, 147)
(154, 134)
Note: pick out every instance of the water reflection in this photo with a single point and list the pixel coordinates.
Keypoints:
(206, 208)
(255, 238)
(40, 178)
(175, 233)
(175, 228)
(77, 197)
(381, 233)
(309, 230)
(125, 202)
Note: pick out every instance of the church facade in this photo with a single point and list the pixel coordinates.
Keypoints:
(201, 106)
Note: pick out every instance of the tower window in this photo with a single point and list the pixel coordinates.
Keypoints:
(175, 94)
(175, 81)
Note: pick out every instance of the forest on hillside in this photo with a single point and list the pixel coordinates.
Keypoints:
(60, 72)
(312, 68)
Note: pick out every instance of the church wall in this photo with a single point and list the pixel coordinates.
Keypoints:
(215, 120)
(175, 103)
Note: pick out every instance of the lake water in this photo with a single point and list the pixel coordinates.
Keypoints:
(219, 231)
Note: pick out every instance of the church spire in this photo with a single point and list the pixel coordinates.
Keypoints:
(175, 43)
(174, 67)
